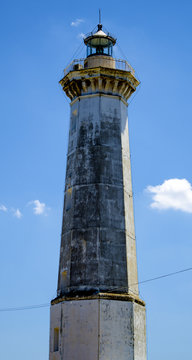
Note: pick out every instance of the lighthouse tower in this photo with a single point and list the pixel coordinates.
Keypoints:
(97, 314)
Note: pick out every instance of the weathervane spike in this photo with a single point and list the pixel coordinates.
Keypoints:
(99, 25)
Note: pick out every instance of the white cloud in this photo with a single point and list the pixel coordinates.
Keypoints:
(38, 207)
(77, 22)
(81, 36)
(3, 208)
(172, 194)
(17, 213)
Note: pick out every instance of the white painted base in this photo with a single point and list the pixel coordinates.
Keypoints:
(98, 329)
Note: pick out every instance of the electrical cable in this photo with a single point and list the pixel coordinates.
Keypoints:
(123, 54)
(153, 279)
(116, 289)
(76, 52)
(24, 307)
(139, 87)
(163, 276)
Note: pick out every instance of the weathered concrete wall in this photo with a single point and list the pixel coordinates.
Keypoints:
(98, 241)
(116, 330)
(102, 60)
(98, 329)
(78, 328)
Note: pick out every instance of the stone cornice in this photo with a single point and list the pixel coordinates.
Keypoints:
(99, 80)
(107, 296)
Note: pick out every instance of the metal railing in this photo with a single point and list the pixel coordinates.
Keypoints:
(76, 64)
(92, 33)
(79, 64)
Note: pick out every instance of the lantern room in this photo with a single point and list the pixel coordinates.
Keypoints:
(99, 43)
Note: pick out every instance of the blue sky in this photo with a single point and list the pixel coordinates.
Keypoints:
(37, 43)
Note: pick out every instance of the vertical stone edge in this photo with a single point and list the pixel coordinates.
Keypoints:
(128, 204)
(139, 320)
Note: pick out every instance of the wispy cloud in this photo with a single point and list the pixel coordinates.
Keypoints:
(17, 213)
(38, 207)
(81, 36)
(77, 22)
(172, 194)
(3, 208)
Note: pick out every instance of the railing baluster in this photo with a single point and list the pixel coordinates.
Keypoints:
(119, 64)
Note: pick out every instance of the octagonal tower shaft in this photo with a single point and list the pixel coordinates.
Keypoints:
(98, 251)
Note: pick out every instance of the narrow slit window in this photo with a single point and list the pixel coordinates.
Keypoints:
(63, 279)
(68, 199)
(56, 340)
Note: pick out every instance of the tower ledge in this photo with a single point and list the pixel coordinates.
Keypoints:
(100, 295)
(99, 79)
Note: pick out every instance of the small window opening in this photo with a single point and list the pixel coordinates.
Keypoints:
(69, 182)
(56, 339)
(68, 199)
(63, 279)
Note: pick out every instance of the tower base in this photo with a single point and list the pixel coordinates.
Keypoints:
(100, 327)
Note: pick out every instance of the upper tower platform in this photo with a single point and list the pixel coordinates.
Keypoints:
(99, 72)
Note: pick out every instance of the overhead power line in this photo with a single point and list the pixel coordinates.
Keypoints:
(19, 308)
(30, 307)
(166, 275)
